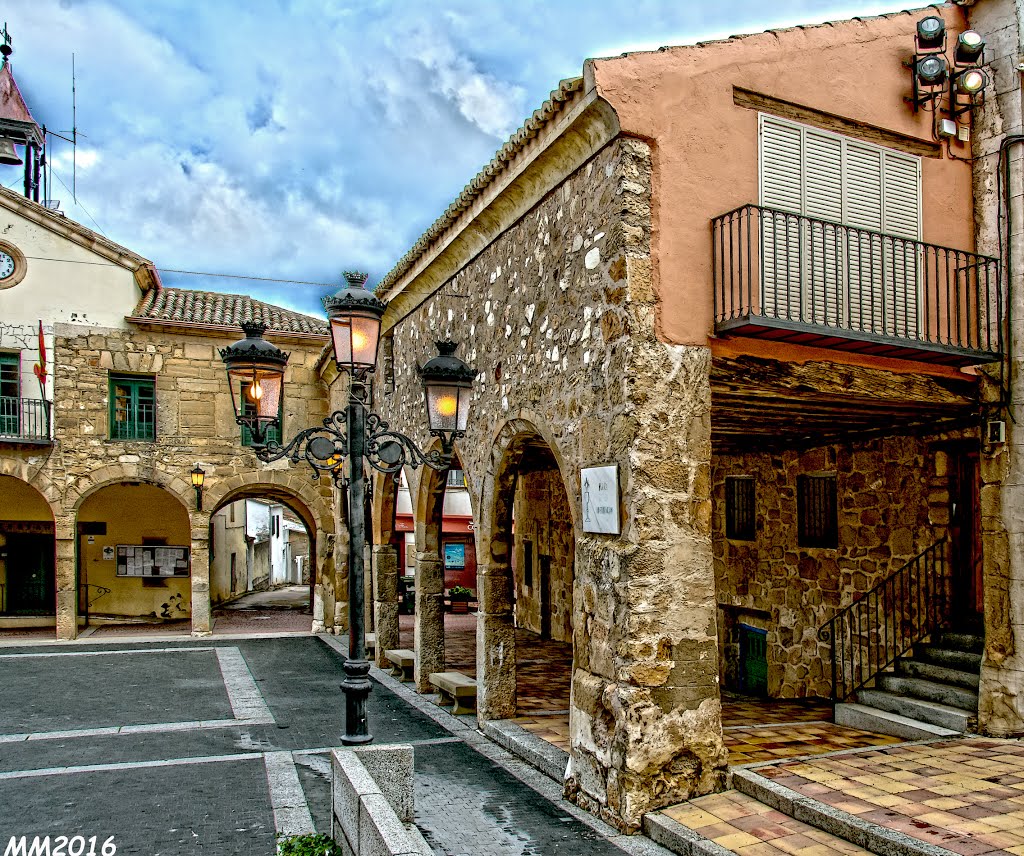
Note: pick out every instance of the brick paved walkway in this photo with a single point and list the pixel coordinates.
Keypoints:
(168, 747)
(965, 795)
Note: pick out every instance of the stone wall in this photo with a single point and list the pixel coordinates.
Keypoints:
(558, 315)
(544, 521)
(194, 424)
(892, 503)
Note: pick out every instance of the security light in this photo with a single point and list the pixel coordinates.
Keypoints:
(971, 82)
(931, 33)
(931, 70)
(969, 47)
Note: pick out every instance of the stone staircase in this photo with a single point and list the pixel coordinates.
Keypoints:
(933, 693)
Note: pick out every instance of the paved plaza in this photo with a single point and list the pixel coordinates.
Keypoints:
(215, 746)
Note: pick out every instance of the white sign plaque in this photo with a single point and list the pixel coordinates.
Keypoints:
(600, 488)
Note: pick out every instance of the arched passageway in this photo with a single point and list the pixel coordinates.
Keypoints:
(525, 633)
(263, 561)
(28, 585)
(134, 556)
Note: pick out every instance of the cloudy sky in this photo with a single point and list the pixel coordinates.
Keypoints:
(294, 139)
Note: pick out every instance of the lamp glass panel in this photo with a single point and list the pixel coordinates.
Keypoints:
(443, 407)
(355, 340)
(198, 476)
(261, 385)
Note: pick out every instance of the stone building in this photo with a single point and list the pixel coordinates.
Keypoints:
(98, 516)
(742, 277)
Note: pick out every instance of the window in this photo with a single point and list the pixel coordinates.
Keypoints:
(132, 408)
(740, 514)
(10, 390)
(456, 478)
(821, 274)
(817, 522)
(273, 431)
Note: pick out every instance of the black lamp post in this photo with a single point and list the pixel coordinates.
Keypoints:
(256, 368)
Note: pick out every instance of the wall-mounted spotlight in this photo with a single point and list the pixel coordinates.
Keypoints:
(198, 477)
(966, 91)
(930, 72)
(969, 48)
(931, 33)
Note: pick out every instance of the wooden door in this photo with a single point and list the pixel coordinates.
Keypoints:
(965, 537)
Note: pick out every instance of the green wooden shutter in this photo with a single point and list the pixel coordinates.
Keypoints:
(132, 408)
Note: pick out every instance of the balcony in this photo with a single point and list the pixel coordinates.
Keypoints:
(794, 279)
(24, 420)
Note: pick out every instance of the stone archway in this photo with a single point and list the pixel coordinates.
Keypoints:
(526, 467)
(28, 558)
(311, 504)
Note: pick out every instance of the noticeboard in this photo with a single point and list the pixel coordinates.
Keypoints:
(454, 555)
(152, 561)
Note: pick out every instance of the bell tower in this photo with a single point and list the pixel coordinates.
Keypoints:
(17, 127)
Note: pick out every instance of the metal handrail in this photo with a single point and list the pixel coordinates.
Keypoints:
(24, 419)
(816, 273)
(869, 635)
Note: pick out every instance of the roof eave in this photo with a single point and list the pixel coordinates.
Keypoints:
(222, 330)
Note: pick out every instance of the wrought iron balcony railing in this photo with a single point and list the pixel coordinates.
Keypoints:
(24, 420)
(787, 277)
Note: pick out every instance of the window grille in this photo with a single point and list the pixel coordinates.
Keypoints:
(740, 513)
(817, 520)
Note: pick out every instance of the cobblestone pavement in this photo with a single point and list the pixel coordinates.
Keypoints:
(167, 747)
(965, 795)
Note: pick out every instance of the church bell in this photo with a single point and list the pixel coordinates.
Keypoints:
(8, 154)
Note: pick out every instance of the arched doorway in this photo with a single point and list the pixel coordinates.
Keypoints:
(525, 635)
(263, 561)
(28, 590)
(134, 557)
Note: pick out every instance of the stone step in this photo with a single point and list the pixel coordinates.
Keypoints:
(879, 721)
(953, 718)
(939, 674)
(966, 661)
(961, 641)
(918, 688)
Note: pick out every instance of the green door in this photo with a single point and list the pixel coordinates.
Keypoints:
(10, 390)
(753, 660)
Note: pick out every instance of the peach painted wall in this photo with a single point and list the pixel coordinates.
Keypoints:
(705, 147)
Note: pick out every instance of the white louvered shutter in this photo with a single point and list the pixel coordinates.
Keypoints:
(823, 242)
(862, 181)
(901, 216)
(781, 188)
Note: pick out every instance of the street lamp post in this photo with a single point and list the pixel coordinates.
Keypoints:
(255, 370)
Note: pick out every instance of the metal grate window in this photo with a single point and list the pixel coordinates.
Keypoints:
(817, 520)
(132, 408)
(740, 513)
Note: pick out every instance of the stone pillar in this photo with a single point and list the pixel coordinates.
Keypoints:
(1001, 692)
(202, 621)
(429, 627)
(645, 719)
(496, 632)
(67, 584)
(385, 599)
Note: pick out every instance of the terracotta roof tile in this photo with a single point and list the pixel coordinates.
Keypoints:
(209, 308)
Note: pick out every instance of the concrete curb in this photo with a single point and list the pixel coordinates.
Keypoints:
(863, 833)
(550, 760)
(678, 838)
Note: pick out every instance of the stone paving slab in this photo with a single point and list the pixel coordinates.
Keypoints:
(965, 795)
(110, 689)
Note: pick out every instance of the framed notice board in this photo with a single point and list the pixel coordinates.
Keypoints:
(151, 561)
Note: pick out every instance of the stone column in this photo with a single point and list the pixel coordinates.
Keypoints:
(1001, 692)
(67, 584)
(385, 599)
(429, 627)
(495, 631)
(202, 622)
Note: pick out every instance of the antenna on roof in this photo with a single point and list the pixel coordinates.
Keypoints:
(74, 134)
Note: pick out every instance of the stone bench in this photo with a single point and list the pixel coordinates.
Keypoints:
(456, 689)
(402, 661)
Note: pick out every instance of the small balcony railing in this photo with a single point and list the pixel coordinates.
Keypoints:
(24, 420)
(787, 277)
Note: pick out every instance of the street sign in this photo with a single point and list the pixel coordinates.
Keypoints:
(600, 489)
